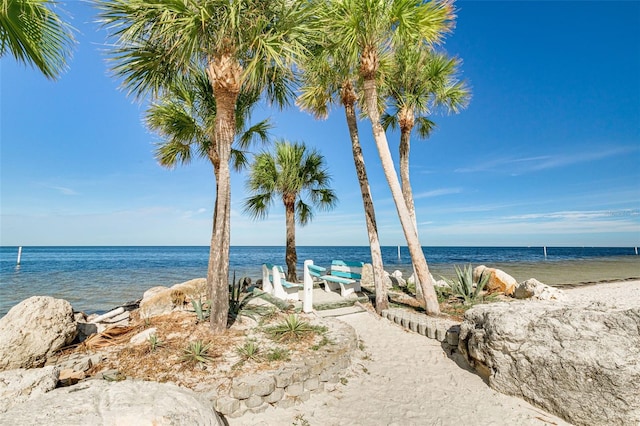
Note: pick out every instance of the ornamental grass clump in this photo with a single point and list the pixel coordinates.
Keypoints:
(463, 286)
(292, 329)
(197, 352)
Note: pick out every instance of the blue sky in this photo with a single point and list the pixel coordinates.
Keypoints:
(548, 152)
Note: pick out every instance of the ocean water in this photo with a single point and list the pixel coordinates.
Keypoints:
(97, 279)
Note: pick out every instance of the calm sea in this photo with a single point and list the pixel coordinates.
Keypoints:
(97, 279)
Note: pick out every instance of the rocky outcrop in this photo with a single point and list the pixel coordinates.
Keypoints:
(20, 385)
(534, 289)
(499, 281)
(129, 402)
(579, 362)
(33, 330)
(162, 300)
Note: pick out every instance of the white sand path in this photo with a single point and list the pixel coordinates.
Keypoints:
(402, 378)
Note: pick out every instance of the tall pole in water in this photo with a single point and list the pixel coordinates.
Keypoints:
(20, 255)
(399, 253)
(636, 251)
(545, 251)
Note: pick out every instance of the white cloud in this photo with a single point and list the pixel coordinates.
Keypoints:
(437, 193)
(64, 190)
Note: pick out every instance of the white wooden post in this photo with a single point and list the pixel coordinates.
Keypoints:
(307, 294)
(20, 255)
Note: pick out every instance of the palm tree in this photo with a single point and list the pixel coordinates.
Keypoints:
(245, 46)
(294, 174)
(184, 117)
(324, 84)
(420, 82)
(35, 35)
(369, 31)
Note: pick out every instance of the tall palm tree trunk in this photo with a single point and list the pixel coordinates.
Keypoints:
(407, 193)
(415, 250)
(348, 100)
(218, 269)
(291, 257)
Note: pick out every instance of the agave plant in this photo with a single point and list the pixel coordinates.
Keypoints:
(464, 287)
(239, 303)
(197, 351)
(292, 329)
(202, 309)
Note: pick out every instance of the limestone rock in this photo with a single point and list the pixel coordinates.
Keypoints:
(33, 330)
(367, 277)
(143, 336)
(499, 281)
(534, 289)
(20, 385)
(579, 362)
(98, 402)
(161, 300)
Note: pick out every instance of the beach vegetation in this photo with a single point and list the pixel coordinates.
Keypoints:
(154, 342)
(328, 78)
(202, 309)
(463, 286)
(296, 175)
(197, 352)
(292, 328)
(277, 354)
(250, 351)
(420, 82)
(241, 51)
(35, 35)
(239, 303)
(367, 33)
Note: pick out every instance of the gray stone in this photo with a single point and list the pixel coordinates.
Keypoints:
(311, 383)
(143, 336)
(274, 396)
(441, 334)
(33, 330)
(295, 389)
(422, 328)
(241, 387)
(534, 289)
(579, 362)
(284, 378)
(98, 402)
(260, 408)
(286, 403)
(253, 401)
(226, 405)
(263, 385)
(17, 386)
(431, 331)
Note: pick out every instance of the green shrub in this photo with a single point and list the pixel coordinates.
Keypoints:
(463, 286)
(277, 354)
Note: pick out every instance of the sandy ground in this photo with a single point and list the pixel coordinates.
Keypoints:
(402, 378)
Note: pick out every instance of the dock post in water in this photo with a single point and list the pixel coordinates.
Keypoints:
(636, 251)
(545, 251)
(398, 252)
(20, 255)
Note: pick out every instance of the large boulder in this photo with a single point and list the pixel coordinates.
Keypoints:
(534, 289)
(499, 281)
(129, 402)
(162, 300)
(33, 330)
(20, 385)
(579, 362)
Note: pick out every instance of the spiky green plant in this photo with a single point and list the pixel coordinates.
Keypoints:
(196, 352)
(249, 351)
(154, 342)
(239, 303)
(292, 329)
(202, 309)
(463, 286)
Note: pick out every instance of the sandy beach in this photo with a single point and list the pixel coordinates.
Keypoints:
(402, 378)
